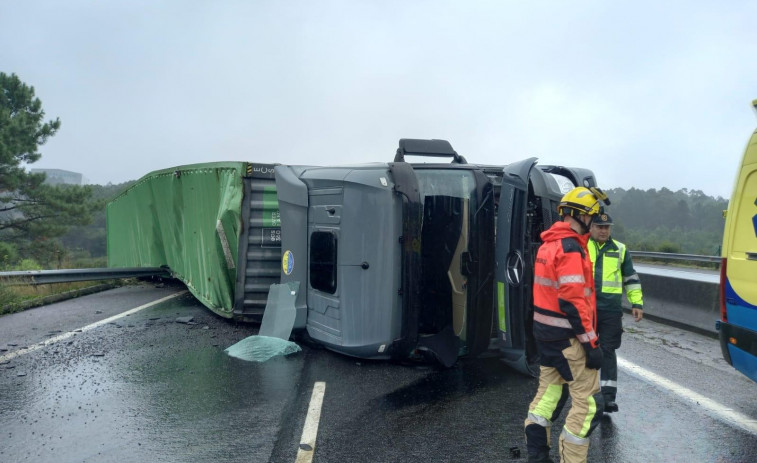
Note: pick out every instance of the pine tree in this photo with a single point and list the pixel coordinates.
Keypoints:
(32, 213)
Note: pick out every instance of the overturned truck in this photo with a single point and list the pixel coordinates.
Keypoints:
(389, 260)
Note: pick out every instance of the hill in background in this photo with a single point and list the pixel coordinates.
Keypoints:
(684, 221)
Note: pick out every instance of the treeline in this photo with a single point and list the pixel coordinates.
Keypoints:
(683, 221)
(88, 244)
(75, 246)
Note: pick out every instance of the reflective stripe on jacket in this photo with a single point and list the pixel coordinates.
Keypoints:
(564, 305)
(613, 270)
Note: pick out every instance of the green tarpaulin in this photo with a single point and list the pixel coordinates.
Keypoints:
(187, 218)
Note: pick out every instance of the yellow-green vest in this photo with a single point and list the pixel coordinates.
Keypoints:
(613, 271)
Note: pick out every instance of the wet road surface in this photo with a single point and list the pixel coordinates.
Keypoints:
(148, 388)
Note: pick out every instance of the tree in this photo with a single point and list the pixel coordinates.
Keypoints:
(32, 213)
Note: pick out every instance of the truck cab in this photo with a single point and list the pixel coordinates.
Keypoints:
(392, 259)
(403, 260)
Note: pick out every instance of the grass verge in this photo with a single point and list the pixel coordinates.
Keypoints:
(16, 298)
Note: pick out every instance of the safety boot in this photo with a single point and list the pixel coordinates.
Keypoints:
(541, 457)
(537, 442)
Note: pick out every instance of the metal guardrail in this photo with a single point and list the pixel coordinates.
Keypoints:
(671, 256)
(43, 277)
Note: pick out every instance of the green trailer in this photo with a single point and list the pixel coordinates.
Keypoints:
(214, 226)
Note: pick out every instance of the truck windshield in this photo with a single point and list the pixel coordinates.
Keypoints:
(446, 182)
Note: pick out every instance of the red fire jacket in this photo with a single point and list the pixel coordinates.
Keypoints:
(564, 300)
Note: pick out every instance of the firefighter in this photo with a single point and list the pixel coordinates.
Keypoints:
(613, 271)
(565, 331)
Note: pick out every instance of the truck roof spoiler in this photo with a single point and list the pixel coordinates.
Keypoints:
(432, 148)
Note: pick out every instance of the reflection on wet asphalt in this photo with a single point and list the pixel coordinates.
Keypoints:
(144, 388)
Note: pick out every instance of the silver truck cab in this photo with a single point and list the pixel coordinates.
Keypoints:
(398, 260)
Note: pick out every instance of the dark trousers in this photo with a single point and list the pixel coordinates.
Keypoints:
(609, 330)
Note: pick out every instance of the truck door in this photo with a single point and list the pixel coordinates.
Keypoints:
(457, 262)
(325, 251)
(340, 228)
(514, 274)
(478, 265)
(527, 206)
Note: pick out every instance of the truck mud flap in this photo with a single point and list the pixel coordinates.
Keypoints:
(442, 347)
(516, 359)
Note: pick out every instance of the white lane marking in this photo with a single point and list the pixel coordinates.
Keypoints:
(727, 414)
(61, 337)
(310, 430)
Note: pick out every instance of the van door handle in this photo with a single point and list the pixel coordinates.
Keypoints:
(751, 256)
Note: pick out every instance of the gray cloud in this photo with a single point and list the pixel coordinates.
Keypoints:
(647, 94)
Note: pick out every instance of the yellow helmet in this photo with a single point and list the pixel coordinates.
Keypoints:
(580, 200)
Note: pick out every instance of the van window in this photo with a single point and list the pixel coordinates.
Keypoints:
(745, 221)
(323, 261)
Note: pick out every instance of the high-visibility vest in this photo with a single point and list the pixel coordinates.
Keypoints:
(613, 271)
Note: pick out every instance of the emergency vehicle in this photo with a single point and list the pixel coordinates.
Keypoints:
(738, 271)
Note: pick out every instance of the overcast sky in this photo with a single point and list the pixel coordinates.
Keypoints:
(648, 94)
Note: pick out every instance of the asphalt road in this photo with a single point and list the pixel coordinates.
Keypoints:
(146, 387)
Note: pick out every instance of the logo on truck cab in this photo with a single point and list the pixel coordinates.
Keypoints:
(287, 262)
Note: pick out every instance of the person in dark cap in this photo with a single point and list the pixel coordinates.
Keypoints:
(613, 272)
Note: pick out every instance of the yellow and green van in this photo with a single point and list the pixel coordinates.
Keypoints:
(738, 272)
